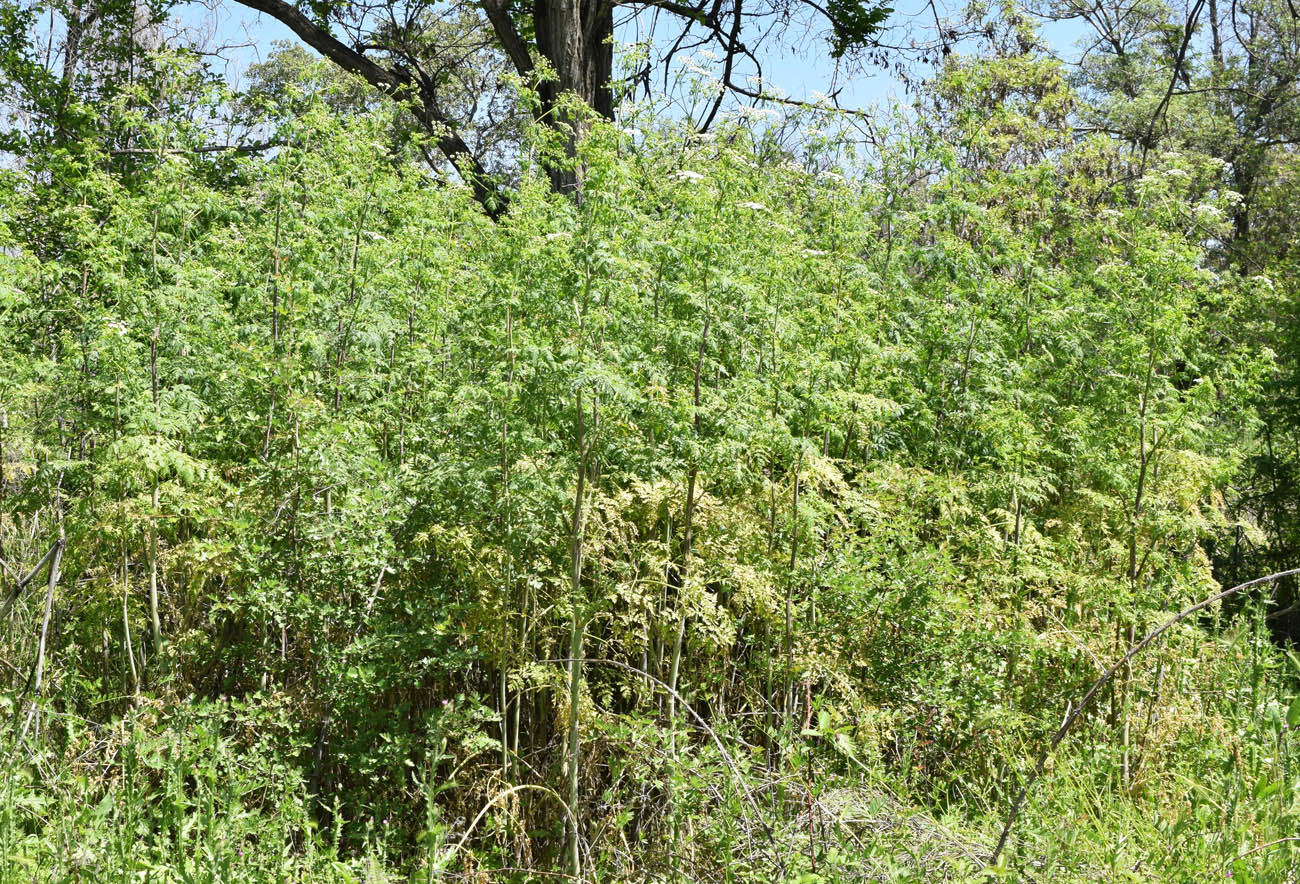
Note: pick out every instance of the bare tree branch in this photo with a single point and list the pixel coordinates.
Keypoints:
(1188, 28)
(504, 27)
(397, 83)
(31, 575)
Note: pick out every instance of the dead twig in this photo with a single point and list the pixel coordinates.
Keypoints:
(31, 575)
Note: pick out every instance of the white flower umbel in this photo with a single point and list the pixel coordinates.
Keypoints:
(687, 175)
(745, 112)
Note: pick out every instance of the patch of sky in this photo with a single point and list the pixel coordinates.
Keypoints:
(797, 63)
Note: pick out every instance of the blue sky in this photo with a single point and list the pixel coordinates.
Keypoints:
(249, 36)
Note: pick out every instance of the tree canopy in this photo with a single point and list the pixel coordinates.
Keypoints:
(557, 47)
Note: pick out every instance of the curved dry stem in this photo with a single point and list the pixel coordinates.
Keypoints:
(1262, 847)
(1070, 719)
(460, 845)
(717, 741)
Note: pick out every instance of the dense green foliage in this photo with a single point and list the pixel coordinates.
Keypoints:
(841, 477)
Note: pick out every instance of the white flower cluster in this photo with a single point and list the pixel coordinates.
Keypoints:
(760, 85)
(687, 175)
(745, 113)
(691, 66)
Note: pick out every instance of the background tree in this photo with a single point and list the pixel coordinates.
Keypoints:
(1218, 84)
(557, 46)
(292, 78)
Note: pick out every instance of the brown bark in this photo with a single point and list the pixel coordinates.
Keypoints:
(574, 36)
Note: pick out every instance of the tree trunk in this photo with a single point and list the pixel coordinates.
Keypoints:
(574, 36)
(1216, 41)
